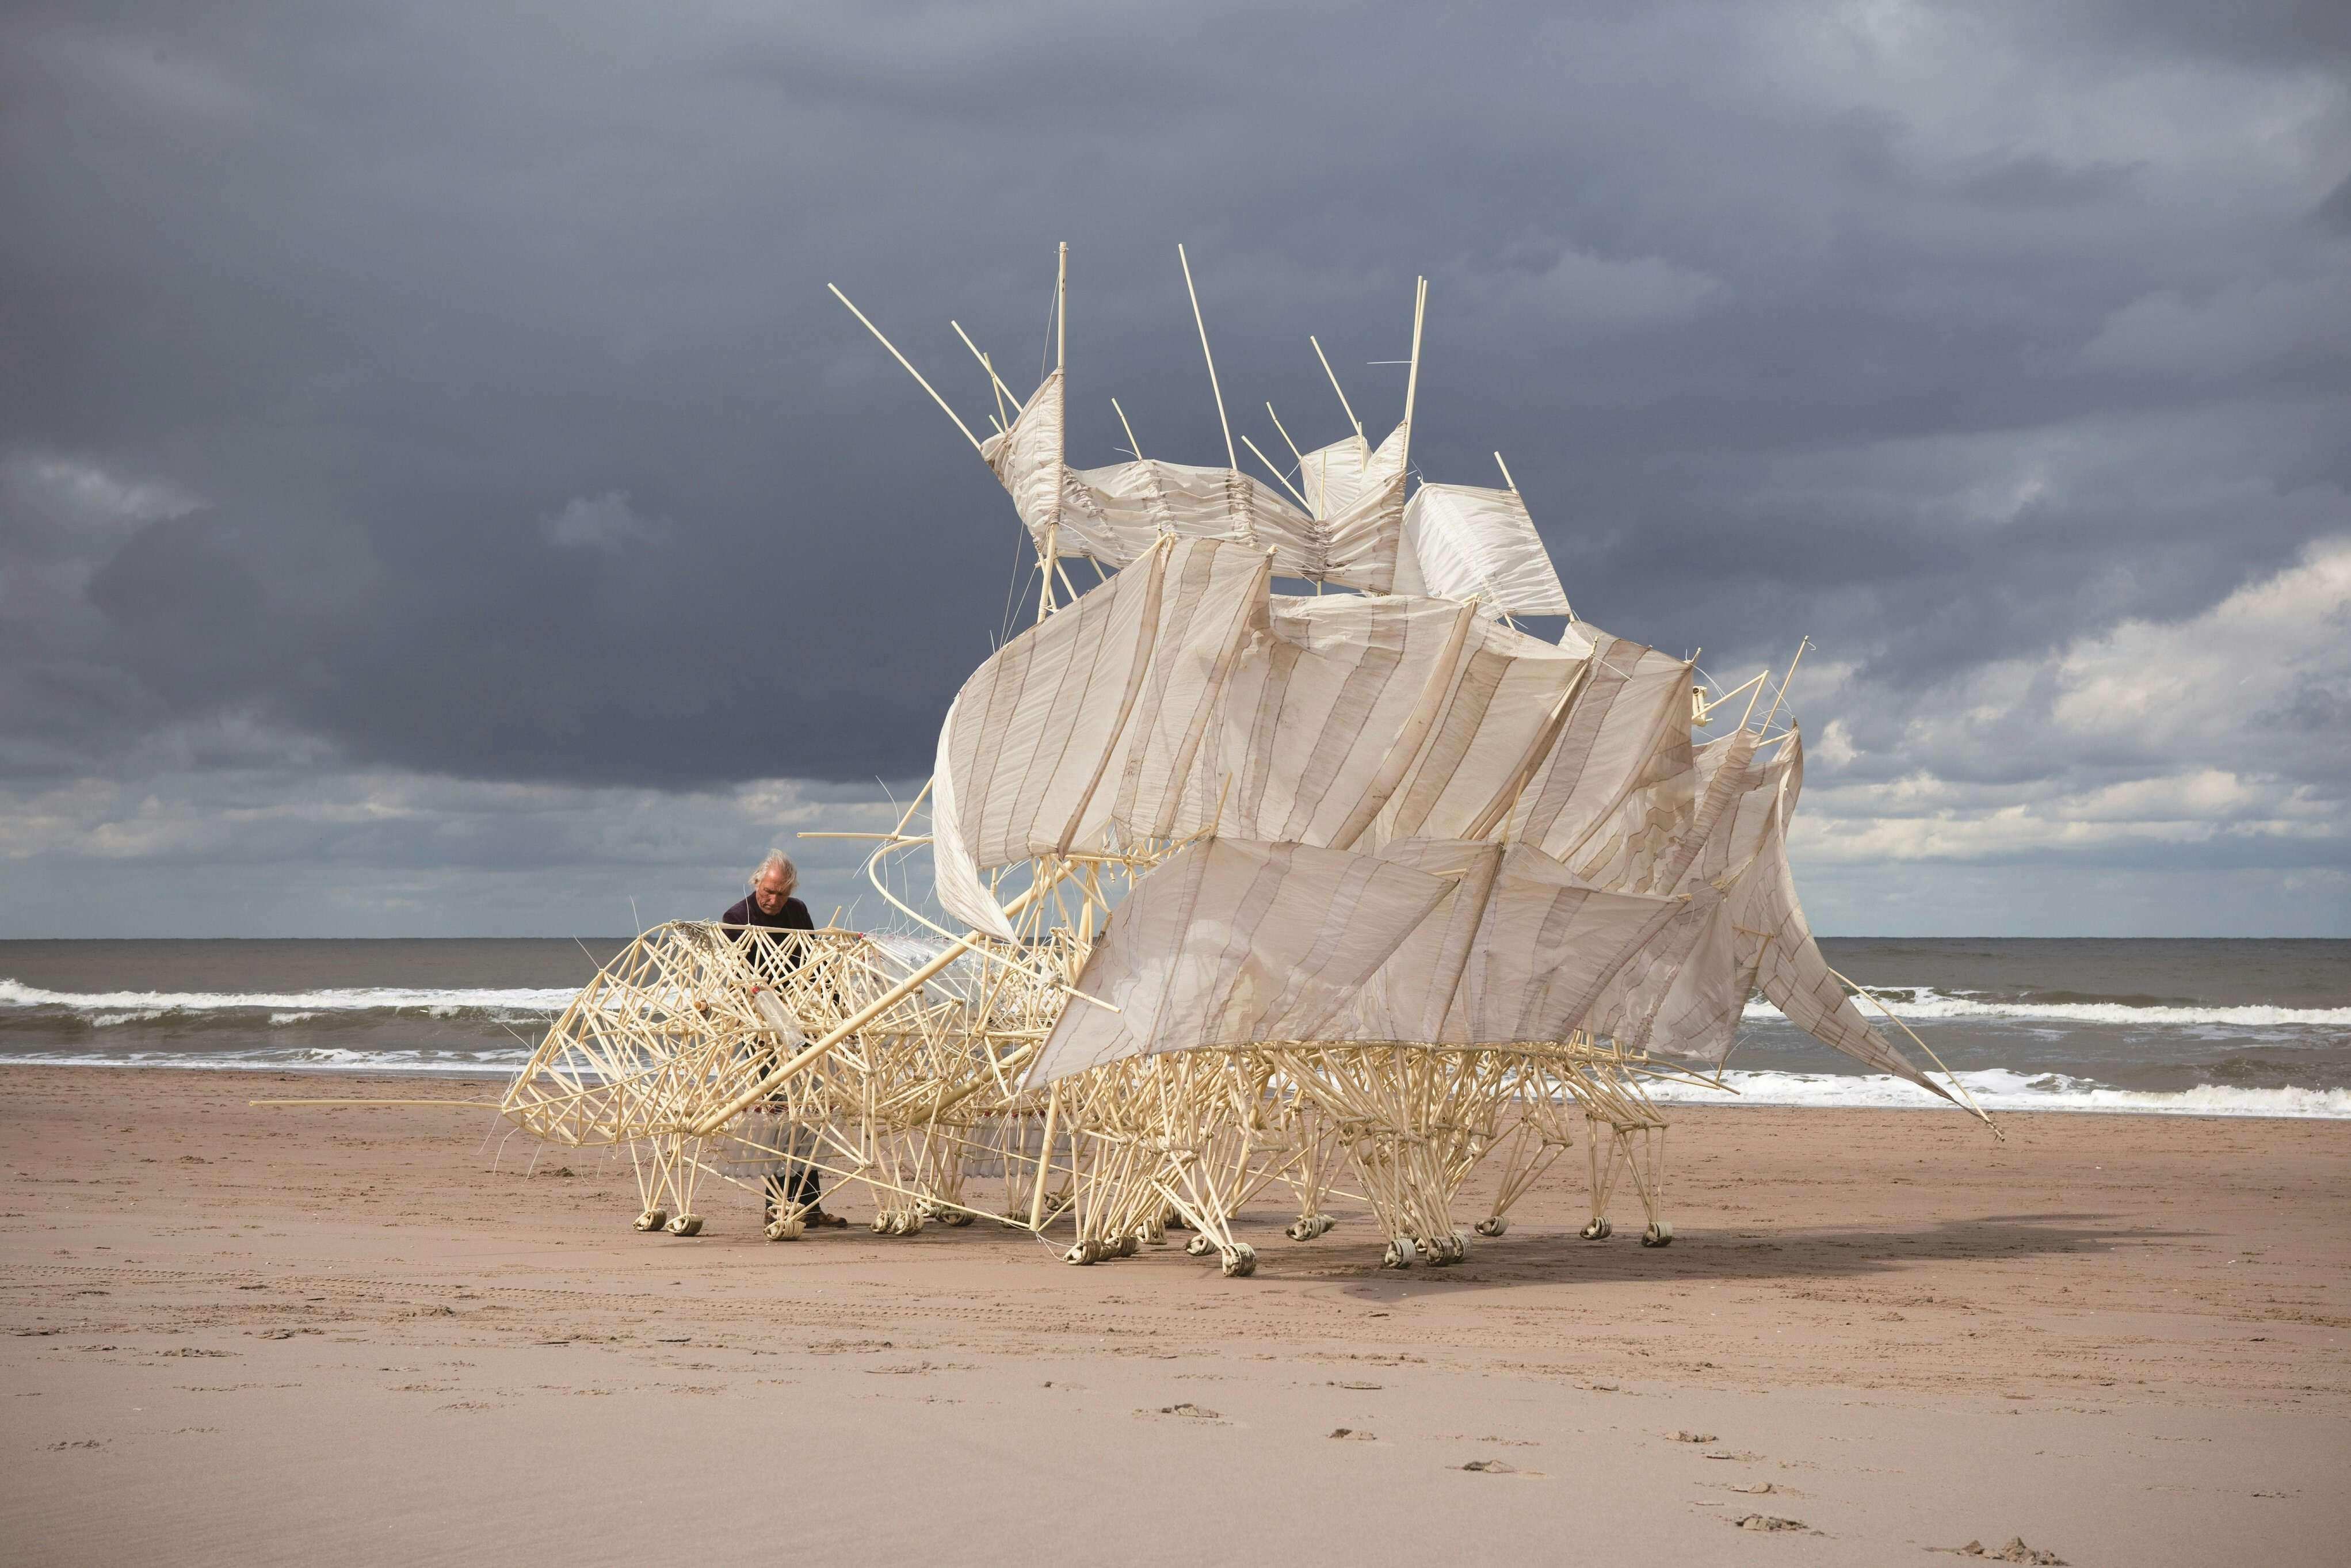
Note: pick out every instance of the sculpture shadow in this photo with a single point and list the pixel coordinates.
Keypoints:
(1706, 1256)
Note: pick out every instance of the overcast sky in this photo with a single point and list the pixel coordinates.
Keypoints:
(438, 495)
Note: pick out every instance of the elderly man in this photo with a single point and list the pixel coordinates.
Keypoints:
(772, 908)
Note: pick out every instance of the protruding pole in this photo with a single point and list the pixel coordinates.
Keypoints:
(1285, 436)
(1511, 484)
(1802, 644)
(911, 370)
(1335, 387)
(1412, 378)
(1280, 478)
(1232, 458)
(1049, 554)
(1132, 443)
(1002, 392)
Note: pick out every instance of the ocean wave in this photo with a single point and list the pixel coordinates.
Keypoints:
(2000, 1089)
(1996, 1090)
(106, 1008)
(1913, 1003)
(488, 1063)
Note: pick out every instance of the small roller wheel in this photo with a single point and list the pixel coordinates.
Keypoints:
(1400, 1253)
(1239, 1262)
(1199, 1245)
(1448, 1251)
(1598, 1230)
(1086, 1251)
(1659, 1233)
(785, 1229)
(1492, 1225)
(685, 1225)
(653, 1219)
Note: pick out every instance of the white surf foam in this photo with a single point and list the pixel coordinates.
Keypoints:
(1998, 1089)
(447, 1064)
(124, 1006)
(1921, 1002)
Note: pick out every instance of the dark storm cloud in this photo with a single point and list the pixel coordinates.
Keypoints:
(456, 385)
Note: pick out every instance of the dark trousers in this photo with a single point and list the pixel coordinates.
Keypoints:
(794, 1184)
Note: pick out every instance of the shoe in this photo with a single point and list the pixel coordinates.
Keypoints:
(817, 1218)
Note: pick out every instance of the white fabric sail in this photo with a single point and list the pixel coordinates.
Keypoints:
(1232, 943)
(1627, 732)
(1463, 540)
(1364, 720)
(1115, 514)
(1776, 945)
(1340, 478)
(1229, 942)
(1091, 718)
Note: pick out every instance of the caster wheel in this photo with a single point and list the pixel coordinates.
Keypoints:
(653, 1219)
(1660, 1234)
(1199, 1247)
(1598, 1230)
(1084, 1252)
(685, 1225)
(1400, 1253)
(1493, 1225)
(785, 1229)
(1240, 1262)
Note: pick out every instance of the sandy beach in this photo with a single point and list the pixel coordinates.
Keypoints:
(252, 1336)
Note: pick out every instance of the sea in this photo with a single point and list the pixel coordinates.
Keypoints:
(2192, 1027)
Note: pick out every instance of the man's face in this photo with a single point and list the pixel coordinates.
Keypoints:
(770, 891)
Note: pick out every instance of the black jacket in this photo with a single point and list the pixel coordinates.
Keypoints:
(794, 916)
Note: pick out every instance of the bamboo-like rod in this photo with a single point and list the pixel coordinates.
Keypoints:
(1003, 392)
(1335, 387)
(1232, 458)
(817, 1050)
(1412, 377)
(1802, 644)
(1061, 308)
(911, 370)
(1132, 443)
(1286, 441)
(1275, 473)
(1505, 467)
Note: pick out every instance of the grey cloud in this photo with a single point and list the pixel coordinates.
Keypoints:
(455, 388)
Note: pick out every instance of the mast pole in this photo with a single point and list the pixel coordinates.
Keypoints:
(1232, 459)
(911, 370)
(1049, 554)
(1412, 379)
(1335, 387)
(1802, 644)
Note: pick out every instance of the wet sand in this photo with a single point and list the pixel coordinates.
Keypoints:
(255, 1336)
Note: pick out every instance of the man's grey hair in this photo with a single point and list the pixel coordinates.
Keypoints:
(781, 861)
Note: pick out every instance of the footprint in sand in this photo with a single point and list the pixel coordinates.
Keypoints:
(1771, 1521)
(1185, 1411)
